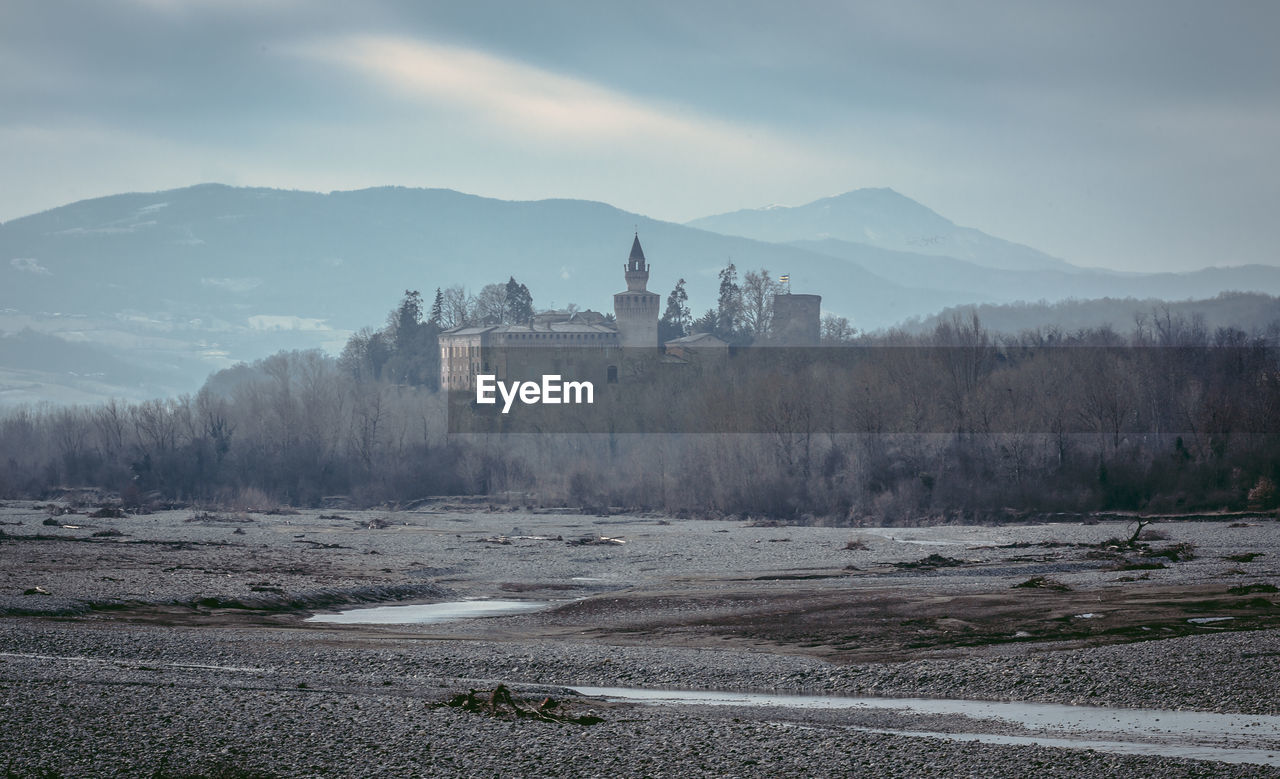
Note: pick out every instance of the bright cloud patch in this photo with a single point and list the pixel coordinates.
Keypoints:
(273, 322)
(526, 100)
(30, 265)
(232, 285)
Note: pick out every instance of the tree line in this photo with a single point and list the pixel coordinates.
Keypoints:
(743, 314)
(405, 351)
(1148, 422)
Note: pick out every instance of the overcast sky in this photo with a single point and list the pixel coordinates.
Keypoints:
(1132, 135)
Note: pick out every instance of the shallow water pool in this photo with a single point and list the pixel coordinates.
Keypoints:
(1231, 738)
(429, 613)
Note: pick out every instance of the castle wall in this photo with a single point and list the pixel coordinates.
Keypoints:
(637, 318)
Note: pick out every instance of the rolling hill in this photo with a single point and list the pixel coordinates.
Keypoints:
(172, 285)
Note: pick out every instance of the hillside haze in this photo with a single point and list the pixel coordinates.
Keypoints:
(228, 255)
(884, 219)
(149, 292)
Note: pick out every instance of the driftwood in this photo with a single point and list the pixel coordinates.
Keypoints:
(506, 540)
(319, 545)
(501, 703)
(596, 541)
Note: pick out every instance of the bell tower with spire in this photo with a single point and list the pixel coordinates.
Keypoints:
(636, 310)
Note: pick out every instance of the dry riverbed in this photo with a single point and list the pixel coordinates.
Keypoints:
(179, 642)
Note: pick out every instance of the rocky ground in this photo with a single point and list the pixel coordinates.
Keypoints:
(176, 644)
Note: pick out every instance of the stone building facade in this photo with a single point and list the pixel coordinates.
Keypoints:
(797, 319)
(587, 343)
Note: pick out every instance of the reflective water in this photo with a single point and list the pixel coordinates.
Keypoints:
(1232, 738)
(429, 613)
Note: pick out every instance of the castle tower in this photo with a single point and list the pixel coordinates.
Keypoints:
(796, 319)
(637, 309)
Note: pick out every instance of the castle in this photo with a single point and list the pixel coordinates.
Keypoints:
(636, 310)
(470, 350)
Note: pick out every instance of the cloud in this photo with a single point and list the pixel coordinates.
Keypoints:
(274, 322)
(238, 285)
(30, 265)
(518, 99)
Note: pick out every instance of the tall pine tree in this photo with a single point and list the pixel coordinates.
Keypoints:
(675, 320)
(437, 310)
(729, 305)
(519, 307)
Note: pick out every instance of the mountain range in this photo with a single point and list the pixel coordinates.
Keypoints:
(883, 219)
(168, 286)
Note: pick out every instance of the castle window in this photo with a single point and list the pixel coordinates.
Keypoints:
(613, 374)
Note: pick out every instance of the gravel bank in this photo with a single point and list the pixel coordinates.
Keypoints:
(178, 676)
(298, 704)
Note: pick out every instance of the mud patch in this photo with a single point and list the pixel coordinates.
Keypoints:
(896, 624)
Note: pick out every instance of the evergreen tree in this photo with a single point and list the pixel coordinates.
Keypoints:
(729, 304)
(675, 320)
(437, 309)
(408, 347)
(406, 319)
(707, 323)
(519, 303)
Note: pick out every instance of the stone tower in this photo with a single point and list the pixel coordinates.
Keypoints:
(796, 319)
(637, 309)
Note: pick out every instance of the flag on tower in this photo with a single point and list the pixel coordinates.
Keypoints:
(785, 278)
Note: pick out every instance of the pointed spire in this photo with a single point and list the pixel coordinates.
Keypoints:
(636, 252)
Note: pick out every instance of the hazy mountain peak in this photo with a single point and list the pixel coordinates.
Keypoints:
(880, 217)
(188, 279)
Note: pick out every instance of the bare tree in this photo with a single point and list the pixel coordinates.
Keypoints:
(836, 330)
(491, 304)
(757, 302)
(456, 308)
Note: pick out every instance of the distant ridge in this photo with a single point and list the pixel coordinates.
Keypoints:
(882, 218)
(1254, 313)
(184, 281)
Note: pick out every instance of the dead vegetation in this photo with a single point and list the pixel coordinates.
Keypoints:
(1247, 589)
(596, 541)
(1042, 583)
(319, 544)
(501, 704)
(206, 517)
(1245, 557)
(506, 540)
(931, 562)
